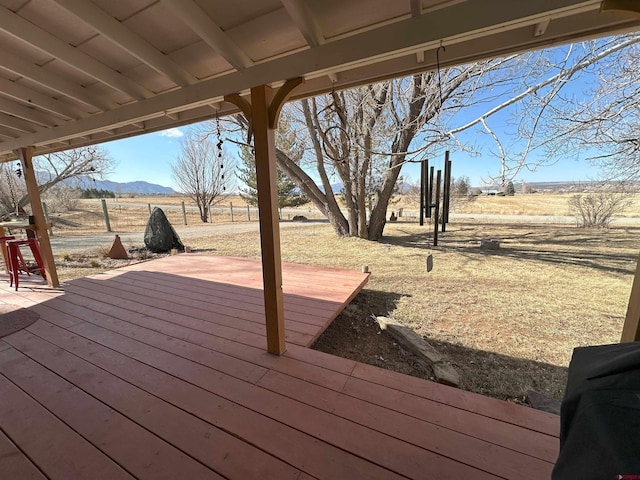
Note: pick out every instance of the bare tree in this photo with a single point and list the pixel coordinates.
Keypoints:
(361, 138)
(596, 209)
(70, 168)
(201, 173)
(546, 116)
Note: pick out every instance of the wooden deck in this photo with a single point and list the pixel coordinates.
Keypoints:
(159, 371)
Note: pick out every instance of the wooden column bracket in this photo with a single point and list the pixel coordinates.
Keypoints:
(263, 112)
(26, 154)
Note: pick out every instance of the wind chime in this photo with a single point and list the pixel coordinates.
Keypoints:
(219, 147)
(12, 187)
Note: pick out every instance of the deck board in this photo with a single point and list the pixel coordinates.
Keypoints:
(161, 367)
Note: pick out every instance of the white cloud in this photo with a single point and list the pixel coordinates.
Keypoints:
(172, 133)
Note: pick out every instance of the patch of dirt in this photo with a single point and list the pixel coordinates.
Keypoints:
(356, 335)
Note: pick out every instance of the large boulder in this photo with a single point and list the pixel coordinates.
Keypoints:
(159, 236)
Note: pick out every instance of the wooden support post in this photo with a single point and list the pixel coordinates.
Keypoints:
(422, 193)
(184, 213)
(248, 213)
(231, 210)
(25, 155)
(105, 212)
(263, 113)
(149, 208)
(46, 217)
(436, 209)
(427, 193)
(631, 329)
(447, 187)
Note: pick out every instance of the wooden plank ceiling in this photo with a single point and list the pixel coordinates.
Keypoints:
(78, 72)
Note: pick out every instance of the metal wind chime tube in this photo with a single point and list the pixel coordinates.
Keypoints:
(436, 209)
(422, 193)
(427, 189)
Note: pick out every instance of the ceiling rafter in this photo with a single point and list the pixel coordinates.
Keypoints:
(51, 80)
(129, 41)
(303, 18)
(29, 33)
(17, 124)
(9, 133)
(416, 8)
(25, 94)
(210, 32)
(31, 114)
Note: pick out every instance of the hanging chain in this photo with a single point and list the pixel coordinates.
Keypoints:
(219, 147)
(438, 64)
(11, 184)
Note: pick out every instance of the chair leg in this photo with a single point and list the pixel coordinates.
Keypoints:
(35, 251)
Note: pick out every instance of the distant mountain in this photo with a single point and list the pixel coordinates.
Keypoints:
(139, 187)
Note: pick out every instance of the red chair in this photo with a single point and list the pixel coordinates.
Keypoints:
(3, 242)
(17, 263)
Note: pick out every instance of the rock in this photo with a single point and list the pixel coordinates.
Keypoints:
(159, 236)
(117, 250)
(542, 402)
(489, 244)
(446, 374)
(299, 218)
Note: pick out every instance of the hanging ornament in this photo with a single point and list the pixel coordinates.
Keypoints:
(219, 147)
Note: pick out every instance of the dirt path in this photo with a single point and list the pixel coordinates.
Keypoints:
(86, 243)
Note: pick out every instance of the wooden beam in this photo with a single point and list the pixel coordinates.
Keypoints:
(197, 19)
(631, 328)
(305, 21)
(52, 81)
(265, 155)
(27, 113)
(26, 154)
(45, 102)
(263, 112)
(126, 39)
(280, 98)
(33, 35)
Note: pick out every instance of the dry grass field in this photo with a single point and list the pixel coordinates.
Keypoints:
(508, 319)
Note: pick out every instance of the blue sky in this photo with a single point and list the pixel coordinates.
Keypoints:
(149, 158)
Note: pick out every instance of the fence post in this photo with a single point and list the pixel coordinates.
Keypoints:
(184, 213)
(106, 214)
(149, 207)
(46, 217)
(231, 210)
(248, 213)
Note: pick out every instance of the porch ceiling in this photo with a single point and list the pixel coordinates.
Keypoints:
(78, 72)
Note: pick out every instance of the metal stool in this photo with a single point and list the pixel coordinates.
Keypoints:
(17, 263)
(3, 242)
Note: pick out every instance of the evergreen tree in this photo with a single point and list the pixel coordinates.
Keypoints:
(288, 194)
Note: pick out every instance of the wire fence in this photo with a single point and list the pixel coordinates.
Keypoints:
(111, 215)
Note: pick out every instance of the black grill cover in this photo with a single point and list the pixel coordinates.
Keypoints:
(600, 415)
